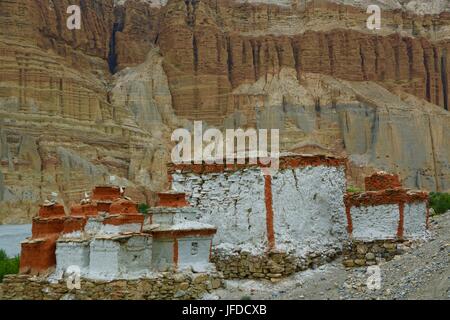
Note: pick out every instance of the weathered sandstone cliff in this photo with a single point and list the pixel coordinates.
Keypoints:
(62, 128)
(78, 106)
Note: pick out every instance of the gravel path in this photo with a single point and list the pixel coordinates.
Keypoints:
(423, 272)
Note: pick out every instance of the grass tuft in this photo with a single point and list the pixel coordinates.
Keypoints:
(352, 189)
(143, 208)
(8, 265)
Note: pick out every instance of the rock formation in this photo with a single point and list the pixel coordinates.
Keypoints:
(77, 106)
(60, 128)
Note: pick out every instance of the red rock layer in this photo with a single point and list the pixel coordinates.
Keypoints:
(205, 60)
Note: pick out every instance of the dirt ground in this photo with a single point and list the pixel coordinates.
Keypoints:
(421, 273)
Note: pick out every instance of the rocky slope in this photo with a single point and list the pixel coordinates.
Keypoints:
(78, 106)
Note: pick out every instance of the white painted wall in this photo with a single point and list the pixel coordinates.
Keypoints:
(127, 258)
(415, 218)
(187, 257)
(113, 229)
(162, 254)
(135, 257)
(72, 253)
(170, 216)
(104, 259)
(375, 222)
(308, 207)
(231, 201)
(95, 226)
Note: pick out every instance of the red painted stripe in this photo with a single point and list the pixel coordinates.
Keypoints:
(269, 211)
(210, 251)
(161, 234)
(349, 220)
(401, 209)
(175, 252)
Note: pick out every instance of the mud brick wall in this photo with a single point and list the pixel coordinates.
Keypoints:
(167, 286)
(38, 254)
(299, 209)
(387, 214)
(382, 181)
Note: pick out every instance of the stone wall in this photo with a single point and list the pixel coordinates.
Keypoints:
(166, 286)
(360, 253)
(272, 266)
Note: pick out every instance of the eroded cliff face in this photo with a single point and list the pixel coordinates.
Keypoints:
(62, 128)
(78, 106)
(209, 49)
(240, 64)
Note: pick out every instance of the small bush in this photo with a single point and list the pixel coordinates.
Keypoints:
(3, 255)
(440, 202)
(143, 207)
(8, 265)
(353, 189)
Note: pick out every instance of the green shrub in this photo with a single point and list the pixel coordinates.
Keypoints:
(143, 207)
(3, 255)
(8, 265)
(353, 189)
(440, 202)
